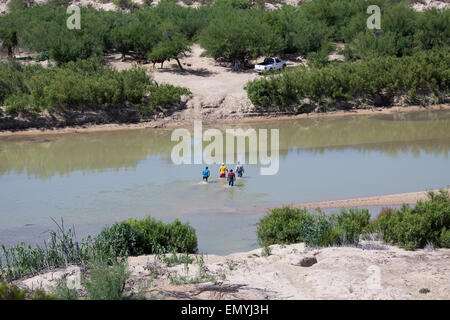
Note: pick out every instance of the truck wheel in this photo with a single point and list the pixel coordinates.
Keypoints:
(284, 65)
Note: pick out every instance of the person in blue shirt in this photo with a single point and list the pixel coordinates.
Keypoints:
(206, 173)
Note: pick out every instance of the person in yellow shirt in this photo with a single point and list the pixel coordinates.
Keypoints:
(223, 171)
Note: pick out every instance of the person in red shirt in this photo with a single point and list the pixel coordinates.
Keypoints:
(231, 177)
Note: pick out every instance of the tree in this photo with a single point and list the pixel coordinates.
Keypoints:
(122, 36)
(172, 47)
(238, 35)
(9, 40)
(14, 5)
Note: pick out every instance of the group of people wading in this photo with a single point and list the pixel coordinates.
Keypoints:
(231, 177)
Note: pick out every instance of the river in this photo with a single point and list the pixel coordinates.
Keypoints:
(95, 179)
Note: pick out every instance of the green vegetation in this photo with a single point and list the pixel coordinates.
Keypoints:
(81, 85)
(107, 282)
(374, 81)
(110, 247)
(238, 35)
(411, 228)
(290, 225)
(12, 292)
(230, 29)
(60, 250)
(63, 292)
(408, 57)
(201, 275)
(158, 237)
(14, 5)
(118, 241)
(280, 226)
(174, 259)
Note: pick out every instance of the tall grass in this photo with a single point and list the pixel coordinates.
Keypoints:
(61, 250)
(111, 246)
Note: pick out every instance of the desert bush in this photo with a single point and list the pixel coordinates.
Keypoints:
(444, 239)
(63, 292)
(85, 84)
(235, 4)
(281, 226)
(14, 5)
(12, 292)
(124, 4)
(159, 237)
(42, 56)
(118, 241)
(318, 231)
(412, 228)
(351, 223)
(239, 35)
(105, 282)
(290, 225)
(166, 95)
(426, 71)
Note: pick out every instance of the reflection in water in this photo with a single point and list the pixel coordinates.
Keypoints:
(393, 134)
(98, 178)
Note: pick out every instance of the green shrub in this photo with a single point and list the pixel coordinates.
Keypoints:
(14, 5)
(158, 237)
(289, 225)
(85, 84)
(235, 4)
(118, 241)
(365, 80)
(124, 4)
(42, 56)
(63, 292)
(412, 228)
(107, 282)
(239, 35)
(281, 226)
(318, 231)
(111, 245)
(444, 239)
(8, 292)
(351, 223)
(166, 95)
(12, 292)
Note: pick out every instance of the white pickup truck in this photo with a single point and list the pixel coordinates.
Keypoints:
(270, 64)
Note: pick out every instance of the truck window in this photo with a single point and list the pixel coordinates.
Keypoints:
(277, 60)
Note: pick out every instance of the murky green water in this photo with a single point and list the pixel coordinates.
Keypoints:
(94, 179)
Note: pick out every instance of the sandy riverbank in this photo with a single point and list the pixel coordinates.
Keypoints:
(170, 123)
(381, 200)
(370, 271)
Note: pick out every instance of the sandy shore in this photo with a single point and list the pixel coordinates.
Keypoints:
(370, 271)
(381, 200)
(170, 123)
